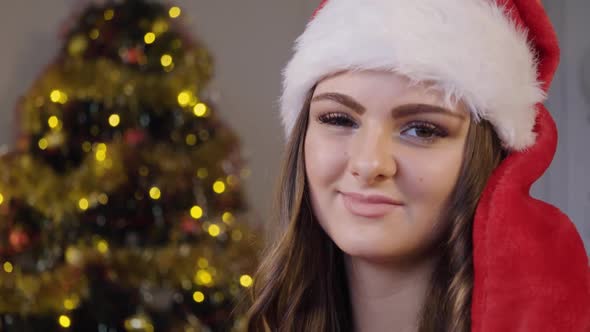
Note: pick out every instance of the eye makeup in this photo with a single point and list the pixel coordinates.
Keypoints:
(415, 130)
(424, 131)
(337, 119)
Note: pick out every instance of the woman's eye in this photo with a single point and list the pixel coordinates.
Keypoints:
(424, 131)
(338, 119)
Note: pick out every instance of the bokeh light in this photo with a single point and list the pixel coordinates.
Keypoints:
(174, 12)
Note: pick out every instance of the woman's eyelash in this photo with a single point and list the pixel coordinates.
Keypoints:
(337, 119)
(425, 131)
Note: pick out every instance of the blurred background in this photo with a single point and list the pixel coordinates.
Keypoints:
(250, 41)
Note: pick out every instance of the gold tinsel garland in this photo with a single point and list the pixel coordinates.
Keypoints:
(113, 84)
(103, 171)
(186, 266)
(56, 195)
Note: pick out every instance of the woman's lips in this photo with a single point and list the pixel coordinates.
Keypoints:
(369, 206)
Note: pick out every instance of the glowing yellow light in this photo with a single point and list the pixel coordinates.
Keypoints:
(114, 120)
(200, 109)
(73, 255)
(155, 193)
(227, 217)
(196, 212)
(214, 230)
(86, 146)
(1, 198)
(191, 139)
(166, 60)
(219, 186)
(202, 173)
(149, 37)
(103, 199)
(184, 98)
(102, 246)
(83, 204)
(94, 34)
(203, 263)
(246, 280)
(43, 144)
(109, 14)
(71, 303)
(55, 96)
(53, 121)
(198, 297)
(63, 98)
(77, 45)
(101, 152)
(101, 155)
(8, 268)
(174, 12)
(64, 321)
(203, 277)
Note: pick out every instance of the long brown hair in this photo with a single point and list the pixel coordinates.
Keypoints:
(301, 283)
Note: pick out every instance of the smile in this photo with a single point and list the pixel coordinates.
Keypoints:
(368, 206)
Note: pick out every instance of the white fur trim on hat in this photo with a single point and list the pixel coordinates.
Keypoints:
(469, 49)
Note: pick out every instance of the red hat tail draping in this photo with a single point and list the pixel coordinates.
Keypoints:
(531, 269)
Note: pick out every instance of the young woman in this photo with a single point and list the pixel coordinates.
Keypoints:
(415, 130)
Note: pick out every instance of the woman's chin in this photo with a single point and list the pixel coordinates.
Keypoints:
(373, 251)
(376, 250)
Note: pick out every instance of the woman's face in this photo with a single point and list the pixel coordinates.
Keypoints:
(382, 157)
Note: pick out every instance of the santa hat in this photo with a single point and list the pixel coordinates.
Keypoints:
(498, 57)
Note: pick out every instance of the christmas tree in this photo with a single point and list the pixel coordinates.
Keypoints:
(121, 207)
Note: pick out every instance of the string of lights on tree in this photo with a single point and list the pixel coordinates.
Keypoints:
(121, 208)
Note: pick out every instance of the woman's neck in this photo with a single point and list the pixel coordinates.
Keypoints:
(387, 297)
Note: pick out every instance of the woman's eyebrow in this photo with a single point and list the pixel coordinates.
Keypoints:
(343, 99)
(417, 109)
(401, 111)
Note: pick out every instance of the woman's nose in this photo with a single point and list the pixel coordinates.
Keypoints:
(372, 155)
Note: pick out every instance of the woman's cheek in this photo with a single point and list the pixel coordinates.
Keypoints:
(325, 158)
(426, 174)
(435, 181)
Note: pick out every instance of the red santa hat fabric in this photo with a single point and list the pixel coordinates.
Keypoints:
(531, 269)
(498, 57)
(469, 49)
